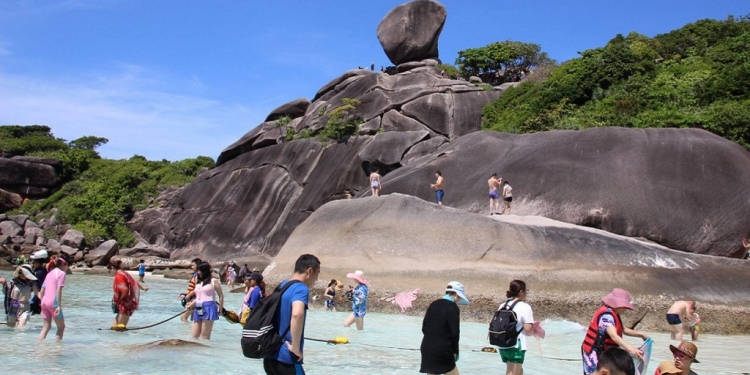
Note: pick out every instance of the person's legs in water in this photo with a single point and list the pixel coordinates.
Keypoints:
(349, 320)
(46, 326)
(360, 323)
(195, 330)
(60, 328)
(676, 325)
(207, 327)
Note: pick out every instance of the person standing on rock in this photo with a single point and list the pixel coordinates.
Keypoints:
(438, 186)
(679, 310)
(375, 182)
(494, 184)
(441, 329)
(191, 286)
(606, 329)
(359, 300)
(292, 312)
(507, 197)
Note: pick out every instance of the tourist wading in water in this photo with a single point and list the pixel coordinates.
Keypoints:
(684, 357)
(288, 358)
(375, 183)
(330, 295)
(18, 294)
(441, 329)
(38, 261)
(514, 356)
(494, 184)
(191, 286)
(678, 311)
(205, 310)
(606, 329)
(438, 186)
(359, 300)
(127, 293)
(51, 296)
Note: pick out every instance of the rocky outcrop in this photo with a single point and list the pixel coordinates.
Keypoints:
(649, 183)
(102, 254)
(9, 201)
(29, 177)
(295, 108)
(73, 238)
(410, 243)
(145, 250)
(409, 32)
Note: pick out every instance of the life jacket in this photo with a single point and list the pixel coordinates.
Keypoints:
(600, 341)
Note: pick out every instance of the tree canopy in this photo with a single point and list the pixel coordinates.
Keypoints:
(500, 62)
(697, 76)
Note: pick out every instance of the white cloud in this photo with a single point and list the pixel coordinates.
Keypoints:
(131, 108)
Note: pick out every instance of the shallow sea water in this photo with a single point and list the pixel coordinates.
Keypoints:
(384, 347)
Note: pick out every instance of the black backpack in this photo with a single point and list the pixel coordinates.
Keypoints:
(503, 332)
(260, 335)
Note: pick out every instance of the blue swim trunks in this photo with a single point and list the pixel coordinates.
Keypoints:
(439, 195)
(494, 195)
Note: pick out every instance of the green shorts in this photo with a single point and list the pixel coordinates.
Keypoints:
(513, 355)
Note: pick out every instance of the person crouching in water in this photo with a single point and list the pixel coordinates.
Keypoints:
(126, 293)
(51, 296)
(606, 329)
(441, 329)
(205, 310)
(18, 296)
(359, 300)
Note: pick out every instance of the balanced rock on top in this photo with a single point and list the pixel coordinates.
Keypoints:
(409, 32)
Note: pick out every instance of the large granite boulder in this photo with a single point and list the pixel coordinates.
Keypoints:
(409, 32)
(9, 201)
(145, 250)
(387, 149)
(410, 243)
(73, 238)
(10, 228)
(295, 108)
(681, 188)
(28, 177)
(102, 254)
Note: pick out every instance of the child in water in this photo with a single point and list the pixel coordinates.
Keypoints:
(331, 295)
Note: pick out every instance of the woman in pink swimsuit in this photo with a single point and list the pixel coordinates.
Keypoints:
(51, 293)
(205, 309)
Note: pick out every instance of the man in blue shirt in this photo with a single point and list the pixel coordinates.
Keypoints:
(292, 313)
(142, 271)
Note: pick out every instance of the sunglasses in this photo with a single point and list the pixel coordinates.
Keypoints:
(681, 355)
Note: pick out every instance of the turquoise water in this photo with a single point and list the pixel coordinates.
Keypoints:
(86, 349)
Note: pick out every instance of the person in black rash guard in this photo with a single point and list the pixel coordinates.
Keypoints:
(441, 332)
(39, 261)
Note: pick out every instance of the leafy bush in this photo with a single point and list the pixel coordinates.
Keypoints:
(341, 122)
(697, 77)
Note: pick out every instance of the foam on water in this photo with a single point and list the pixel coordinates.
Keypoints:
(385, 347)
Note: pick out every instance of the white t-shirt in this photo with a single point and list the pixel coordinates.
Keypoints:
(524, 316)
(507, 191)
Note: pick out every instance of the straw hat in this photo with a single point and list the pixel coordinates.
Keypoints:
(687, 348)
(618, 298)
(359, 276)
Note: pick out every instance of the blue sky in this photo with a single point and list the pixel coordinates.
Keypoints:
(178, 79)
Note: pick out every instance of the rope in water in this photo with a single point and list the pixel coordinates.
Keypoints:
(148, 326)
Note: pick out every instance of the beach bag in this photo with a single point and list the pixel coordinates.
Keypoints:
(503, 332)
(260, 334)
(245, 315)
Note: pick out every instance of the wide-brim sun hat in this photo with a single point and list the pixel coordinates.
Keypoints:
(41, 255)
(618, 298)
(359, 276)
(26, 273)
(458, 288)
(687, 348)
(668, 368)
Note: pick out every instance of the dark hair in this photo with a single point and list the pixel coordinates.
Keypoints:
(438, 173)
(116, 264)
(204, 273)
(494, 175)
(516, 286)
(306, 261)
(616, 360)
(142, 260)
(197, 261)
(332, 283)
(505, 182)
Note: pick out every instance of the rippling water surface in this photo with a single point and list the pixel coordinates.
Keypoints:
(382, 348)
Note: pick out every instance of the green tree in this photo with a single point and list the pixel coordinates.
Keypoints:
(88, 142)
(499, 62)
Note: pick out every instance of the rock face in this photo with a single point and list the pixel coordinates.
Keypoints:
(145, 250)
(410, 243)
(410, 32)
(73, 238)
(648, 183)
(9, 201)
(102, 254)
(295, 108)
(28, 176)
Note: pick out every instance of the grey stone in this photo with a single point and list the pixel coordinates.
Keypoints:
(102, 254)
(9, 201)
(422, 149)
(244, 144)
(432, 110)
(475, 79)
(395, 121)
(272, 136)
(3, 217)
(145, 250)
(68, 250)
(29, 179)
(4, 239)
(410, 32)
(73, 238)
(294, 109)
(10, 228)
(410, 65)
(50, 222)
(54, 245)
(55, 163)
(20, 219)
(370, 127)
(18, 240)
(30, 224)
(30, 238)
(338, 80)
(388, 148)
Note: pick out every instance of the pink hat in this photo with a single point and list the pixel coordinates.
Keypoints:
(618, 298)
(359, 276)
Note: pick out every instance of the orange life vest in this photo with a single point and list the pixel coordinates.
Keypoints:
(601, 340)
